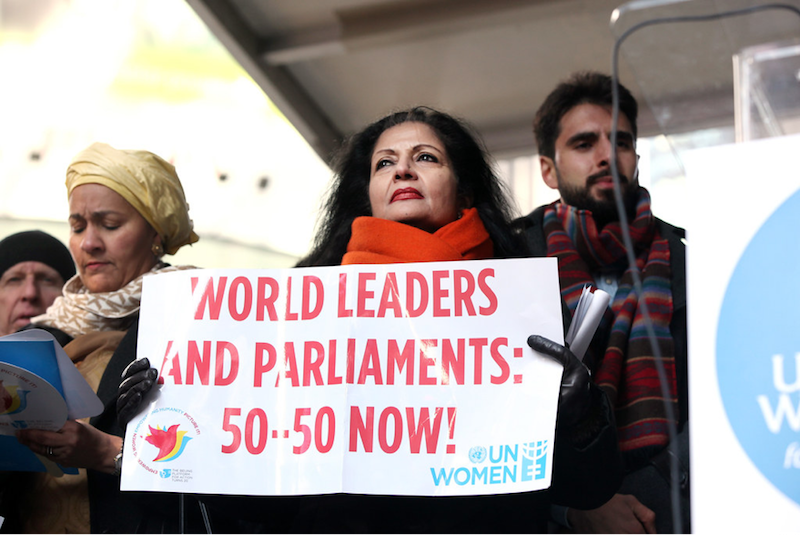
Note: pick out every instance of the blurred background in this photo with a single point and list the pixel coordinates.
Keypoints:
(249, 98)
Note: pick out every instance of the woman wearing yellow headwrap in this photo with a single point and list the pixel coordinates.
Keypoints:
(126, 210)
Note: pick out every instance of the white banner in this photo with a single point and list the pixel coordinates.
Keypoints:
(744, 344)
(406, 379)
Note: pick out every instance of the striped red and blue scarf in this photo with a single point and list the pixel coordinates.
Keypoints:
(626, 370)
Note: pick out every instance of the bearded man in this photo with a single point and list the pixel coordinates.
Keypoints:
(582, 230)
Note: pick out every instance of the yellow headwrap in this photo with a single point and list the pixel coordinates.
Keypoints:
(146, 181)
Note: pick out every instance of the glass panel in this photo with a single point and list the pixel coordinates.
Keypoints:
(684, 69)
(767, 90)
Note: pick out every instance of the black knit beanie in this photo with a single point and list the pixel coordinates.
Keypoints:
(36, 246)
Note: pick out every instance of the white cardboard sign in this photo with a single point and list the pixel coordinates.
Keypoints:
(406, 379)
(743, 255)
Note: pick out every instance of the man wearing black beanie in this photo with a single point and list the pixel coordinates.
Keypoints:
(33, 268)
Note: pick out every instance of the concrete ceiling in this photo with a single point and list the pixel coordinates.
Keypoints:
(333, 66)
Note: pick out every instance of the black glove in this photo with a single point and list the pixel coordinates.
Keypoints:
(576, 397)
(137, 380)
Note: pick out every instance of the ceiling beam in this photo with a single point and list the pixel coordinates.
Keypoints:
(277, 82)
(366, 26)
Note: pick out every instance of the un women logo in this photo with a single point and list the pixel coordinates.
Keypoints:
(477, 454)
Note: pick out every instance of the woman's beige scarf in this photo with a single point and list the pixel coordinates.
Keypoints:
(80, 311)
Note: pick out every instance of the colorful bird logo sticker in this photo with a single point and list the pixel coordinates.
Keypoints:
(12, 399)
(170, 442)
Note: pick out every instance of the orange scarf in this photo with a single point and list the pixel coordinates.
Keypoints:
(380, 241)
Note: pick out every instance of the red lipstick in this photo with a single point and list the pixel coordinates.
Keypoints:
(404, 194)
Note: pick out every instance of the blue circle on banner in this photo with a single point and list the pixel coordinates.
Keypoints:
(758, 339)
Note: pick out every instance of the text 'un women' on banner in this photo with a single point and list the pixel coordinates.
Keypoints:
(405, 379)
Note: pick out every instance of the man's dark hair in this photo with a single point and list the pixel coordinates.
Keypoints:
(348, 196)
(580, 88)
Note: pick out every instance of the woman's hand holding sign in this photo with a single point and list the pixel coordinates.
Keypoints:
(584, 419)
(576, 399)
(137, 380)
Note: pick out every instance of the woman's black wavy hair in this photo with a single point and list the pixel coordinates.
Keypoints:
(348, 196)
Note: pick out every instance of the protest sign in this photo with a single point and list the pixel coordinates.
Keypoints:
(744, 345)
(406, 379)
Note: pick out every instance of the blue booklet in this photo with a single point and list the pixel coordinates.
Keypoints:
(40, 388)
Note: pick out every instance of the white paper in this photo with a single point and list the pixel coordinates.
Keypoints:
(588, 313)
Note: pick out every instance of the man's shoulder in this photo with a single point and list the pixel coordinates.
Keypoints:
(535, 215)
(670, 231)
(676, 239)
(531, 228)
(532, 220)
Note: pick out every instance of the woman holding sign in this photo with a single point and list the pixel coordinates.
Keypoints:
(416, 186)
(127, 209)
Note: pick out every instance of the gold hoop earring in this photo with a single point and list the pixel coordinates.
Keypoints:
(158, 250)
